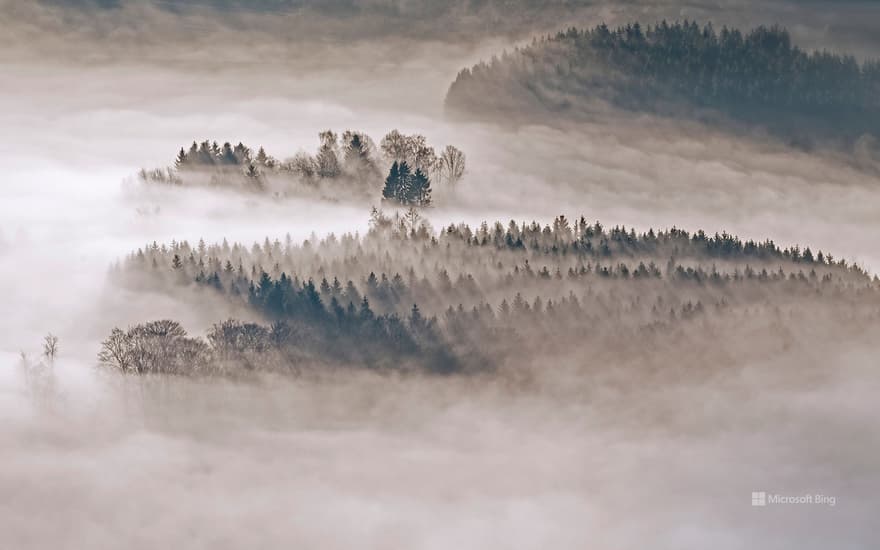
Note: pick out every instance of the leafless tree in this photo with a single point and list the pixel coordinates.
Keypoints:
(155, 347)
(451, 165)
(394, 146)
(115, 351)
(50, 347)
(412, 219)
(419, 154)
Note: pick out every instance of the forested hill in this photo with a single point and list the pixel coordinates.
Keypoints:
(468, 299)
(675, 69)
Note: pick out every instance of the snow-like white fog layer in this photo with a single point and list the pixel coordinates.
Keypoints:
(376, 462)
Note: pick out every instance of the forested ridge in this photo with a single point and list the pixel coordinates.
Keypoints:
(468, 299)
(349, 166)
(757, 77)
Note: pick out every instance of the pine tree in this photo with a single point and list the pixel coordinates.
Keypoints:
(358, 162)
(242, 154)
(404, 182)
(416, 321)
(392, 183)
(262, 158)
(327, 159)
(180, 161)
(252, 172)
(227, 156)
(366, 313)
(419, 190)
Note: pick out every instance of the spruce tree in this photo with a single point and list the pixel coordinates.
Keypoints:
(419, 191)
(180, 161)
(392, 183)
(404, 183)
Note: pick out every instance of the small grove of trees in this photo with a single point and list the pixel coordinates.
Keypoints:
(307, 333)
(153, 348)
(448, 167)
(405, 187)
(351, 159)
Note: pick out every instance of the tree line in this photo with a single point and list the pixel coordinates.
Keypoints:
(462, 299)
(304, 333)
(349, 162)
(462, 264)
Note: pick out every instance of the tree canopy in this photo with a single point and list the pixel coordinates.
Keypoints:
(466, 299)
(346, 166)
(758, 77)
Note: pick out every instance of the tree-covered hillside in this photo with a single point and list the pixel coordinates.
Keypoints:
(680, 69)
(469, 299)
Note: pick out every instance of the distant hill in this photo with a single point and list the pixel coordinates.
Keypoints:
(757, 78)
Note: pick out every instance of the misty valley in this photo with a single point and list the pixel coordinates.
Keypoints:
(439, 274)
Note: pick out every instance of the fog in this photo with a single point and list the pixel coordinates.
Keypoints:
(648, 444)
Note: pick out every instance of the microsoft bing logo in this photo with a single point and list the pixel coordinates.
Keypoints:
(762, 498)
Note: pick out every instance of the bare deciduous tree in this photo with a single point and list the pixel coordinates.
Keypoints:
(419, 154)
(451, 164)
(50, 346)
(394, 146)
(412, 218)
(115, 351)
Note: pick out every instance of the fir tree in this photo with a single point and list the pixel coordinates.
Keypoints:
(392, 182)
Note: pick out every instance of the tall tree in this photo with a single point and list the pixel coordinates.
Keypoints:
(180, 161)
(418, 192)
(392, 182)
(357, 159)
(327, 159)
(50, 346)
(451, 165)
(394, 146)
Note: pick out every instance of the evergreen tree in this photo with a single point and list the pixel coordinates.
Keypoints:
(419, 189)
(180, 161)
(263, 159)
(327, 159)
(392, 182)
(252, 172)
